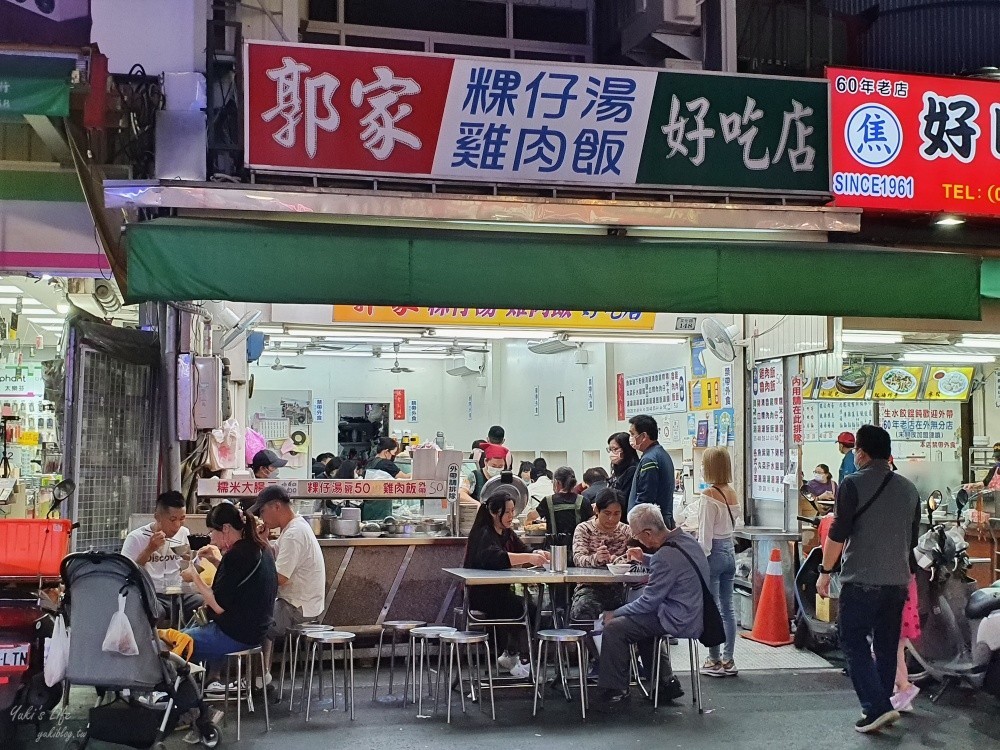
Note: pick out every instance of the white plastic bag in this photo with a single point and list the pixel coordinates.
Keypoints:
(57, 653)
(120, 639)
(223, 446)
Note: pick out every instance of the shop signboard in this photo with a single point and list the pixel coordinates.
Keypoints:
(706, 394)
(914, 143)
(768, 432)
(662, 392)
(798, 435)
(22, 381)
(949, 383)
(410, 488)
(48, 97)
(563, 320)
(933, 425)
(897, 383)
(324, 109)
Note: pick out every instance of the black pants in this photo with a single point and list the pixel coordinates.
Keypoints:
(616, 654)
(501, 603)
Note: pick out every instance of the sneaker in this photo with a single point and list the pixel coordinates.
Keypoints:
(610, 701)
(508, 661)
(521, 670)
(219, 689)
(729, 667)
(259, 683)
(712, 668)
(903, 700)
(670, 690)
(193, 737)
(866, 725)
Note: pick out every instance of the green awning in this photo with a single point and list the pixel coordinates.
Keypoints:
(186, 259)
(35, 84)
(989, 285)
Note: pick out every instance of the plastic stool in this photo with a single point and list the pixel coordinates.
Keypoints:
(560, 636)
(332, 638)
(395, 627)
(423, 635)
(455, 641)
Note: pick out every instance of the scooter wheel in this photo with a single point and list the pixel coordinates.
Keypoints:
(211, 737)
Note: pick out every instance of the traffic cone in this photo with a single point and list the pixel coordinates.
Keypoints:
(770, 623)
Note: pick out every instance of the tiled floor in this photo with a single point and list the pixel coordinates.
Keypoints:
(753, 656)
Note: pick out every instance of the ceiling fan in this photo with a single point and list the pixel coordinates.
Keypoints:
(278, 366)
(395, 365)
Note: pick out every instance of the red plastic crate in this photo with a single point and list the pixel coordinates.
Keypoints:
(33, 546)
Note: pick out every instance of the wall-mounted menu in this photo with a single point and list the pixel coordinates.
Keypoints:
(823, 421)
(663, 392)
(948, 383)
(933, 425)
(852, 384)
(768, 432)
(897, 383)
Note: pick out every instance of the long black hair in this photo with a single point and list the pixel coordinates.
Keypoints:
(494, 506)
(566, 478)
(629, 455)
(346, 470)
(239, 519)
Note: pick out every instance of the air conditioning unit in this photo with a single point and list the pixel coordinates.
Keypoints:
(56, 10)
(468, 363)
(554, 345)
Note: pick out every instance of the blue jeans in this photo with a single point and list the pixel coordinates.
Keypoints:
(722, 567)
(876, 612)
(211, 644)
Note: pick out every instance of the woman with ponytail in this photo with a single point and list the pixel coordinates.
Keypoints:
(240, 600)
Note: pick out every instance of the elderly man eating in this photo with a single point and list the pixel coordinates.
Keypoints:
(670, 603)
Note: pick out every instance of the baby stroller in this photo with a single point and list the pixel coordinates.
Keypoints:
(149, 691)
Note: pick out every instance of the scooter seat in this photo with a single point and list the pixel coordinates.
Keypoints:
(982, 603)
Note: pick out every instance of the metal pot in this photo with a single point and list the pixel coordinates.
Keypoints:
(341, 527)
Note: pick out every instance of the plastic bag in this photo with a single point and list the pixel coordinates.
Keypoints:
(223, 446)
(254, 443)
(120, 639)
(57, 653)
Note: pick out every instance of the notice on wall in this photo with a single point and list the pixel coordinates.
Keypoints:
(823, 421)
(728, 384)
(663, 392)
(706, 394)
(798, 436)
(411, 411)
(590, 393)
(933, 425)
(768, 432)
(399, 404)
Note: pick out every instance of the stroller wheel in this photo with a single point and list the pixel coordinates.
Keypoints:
(210, 738)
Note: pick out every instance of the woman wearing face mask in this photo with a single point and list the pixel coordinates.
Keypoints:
(822, 486)
(385, 459)
(494, 546)
(563, 510)
(624, 459)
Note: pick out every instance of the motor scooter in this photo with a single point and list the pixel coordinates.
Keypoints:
(27, 615)
(810, 632)
(953, 647)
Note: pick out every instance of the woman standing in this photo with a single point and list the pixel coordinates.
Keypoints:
(601, 540)
(563, 510)
(624, 459)
(494, 546)
(718, 518)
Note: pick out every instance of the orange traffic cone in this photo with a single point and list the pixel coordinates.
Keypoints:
(770, 623)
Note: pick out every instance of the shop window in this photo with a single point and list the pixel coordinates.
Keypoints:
(464, 49)
(548, 56)
(323, 10)
(379, 42)
(550, 24)
(446, 16)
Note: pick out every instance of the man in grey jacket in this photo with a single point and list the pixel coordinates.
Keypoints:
(670, 603)
(876, 528)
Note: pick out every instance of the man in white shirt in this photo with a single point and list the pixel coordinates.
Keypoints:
(299, 561)
(162, 549)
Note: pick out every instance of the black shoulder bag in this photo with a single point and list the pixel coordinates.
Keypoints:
(713, 633)
(861, 511)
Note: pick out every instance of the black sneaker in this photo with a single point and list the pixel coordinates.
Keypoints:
(671, 689)
(866, 725)
(610, 701)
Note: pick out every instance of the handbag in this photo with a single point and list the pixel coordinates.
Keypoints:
(713, 632)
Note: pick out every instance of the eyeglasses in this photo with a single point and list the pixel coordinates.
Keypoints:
(614, 450)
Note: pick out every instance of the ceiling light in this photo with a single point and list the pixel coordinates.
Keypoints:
(606, 338)
(481, 334)
(945, 358)
(871, 337)
(280, 353)
(51, 328)
(949, 221)
(416, 355)
(8, 289)
(975, 342)
(270, 330)
(287, 339)
(325, 353)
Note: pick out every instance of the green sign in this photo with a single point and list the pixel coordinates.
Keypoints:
(21, 95)
(727, 131)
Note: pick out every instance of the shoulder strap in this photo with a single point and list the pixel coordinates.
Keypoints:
(729, 508)
(697, 570)
(578, 508)
(861, 511)
(260, 558)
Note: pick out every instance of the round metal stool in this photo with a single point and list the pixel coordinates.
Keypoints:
(472, 640)
(332, 638)
(423, 635)
(293, 639)
(395, 627)
(245, 693)
(560, 637)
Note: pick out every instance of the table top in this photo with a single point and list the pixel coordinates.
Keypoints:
(473, 577)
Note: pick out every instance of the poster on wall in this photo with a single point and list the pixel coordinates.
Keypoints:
(64, 23)
(662, 392)
(706, 394)
(698, 367)
(933, 425)
(823, 421)
(948, 383)
(399, 404)
(852, 383)
(897, 383)
(768, 432)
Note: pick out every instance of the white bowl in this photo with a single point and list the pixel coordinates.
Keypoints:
(371, 534)
(619, 569)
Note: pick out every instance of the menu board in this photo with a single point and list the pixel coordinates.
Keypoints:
(852, 384)
(823, 421)
(768, 432)
(948, 383)
(896, 383)
(663, 392)
(934, 425)
(706, 394)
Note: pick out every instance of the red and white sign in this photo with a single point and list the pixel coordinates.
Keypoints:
(321, 109)
(798, 432)
(363, 488)
(620, 395)
(399, 404)
(914, 143)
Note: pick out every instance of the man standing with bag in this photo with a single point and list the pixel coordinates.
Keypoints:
(876, 528)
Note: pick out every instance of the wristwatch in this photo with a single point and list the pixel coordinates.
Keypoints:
(823, 571)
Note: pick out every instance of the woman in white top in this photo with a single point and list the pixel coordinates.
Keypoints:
(718, 518)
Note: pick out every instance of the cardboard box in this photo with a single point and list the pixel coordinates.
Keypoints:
(826, 609)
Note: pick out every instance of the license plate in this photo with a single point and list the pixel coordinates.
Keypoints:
(14, 657)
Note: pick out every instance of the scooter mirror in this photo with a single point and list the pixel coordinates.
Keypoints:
(933, 503)
(60, 493)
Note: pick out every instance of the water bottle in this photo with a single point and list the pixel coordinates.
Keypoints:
(439, 440)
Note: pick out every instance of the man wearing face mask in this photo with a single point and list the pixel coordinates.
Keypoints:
(266, 463)
(494, 462)
(654, 476)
